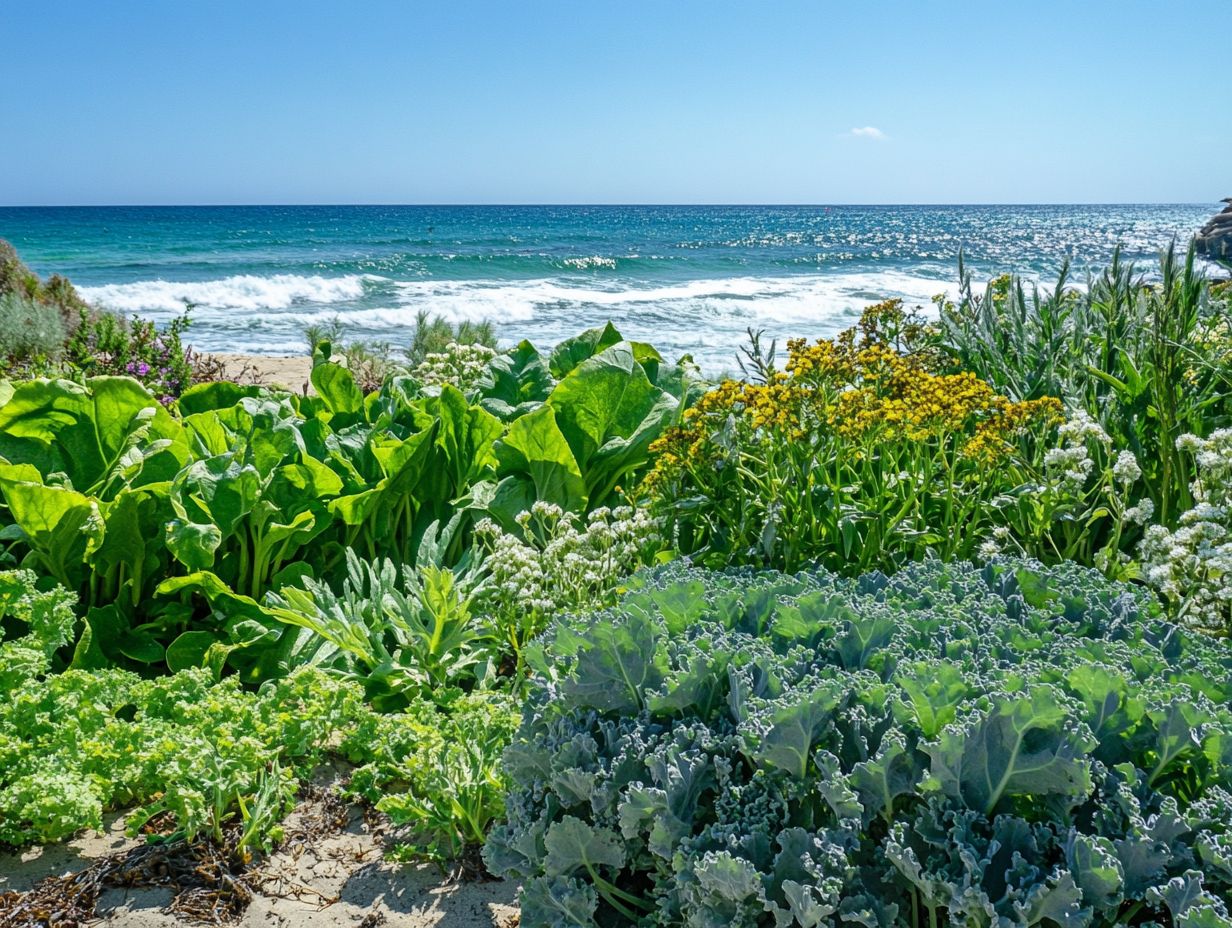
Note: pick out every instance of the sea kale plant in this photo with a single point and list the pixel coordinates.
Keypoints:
(1015, 745)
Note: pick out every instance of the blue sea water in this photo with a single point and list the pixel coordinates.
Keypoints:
(688, 279)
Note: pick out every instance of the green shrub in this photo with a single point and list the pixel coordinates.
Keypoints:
(30, 332)
(1148, 361)
(106, 344)
(439, 352)
(437, 771)
(860, 455)
(47, 330)
(78, 743)
(1010, 746)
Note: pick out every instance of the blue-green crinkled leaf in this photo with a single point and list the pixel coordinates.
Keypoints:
(1022, 746)
(1013, 745)
(1055, 902)
(893, 772)
(1097, 870)
(558, 902)
(1188, 902)
(572, 845)
(794, 729)
(616, 667)
(666, 812)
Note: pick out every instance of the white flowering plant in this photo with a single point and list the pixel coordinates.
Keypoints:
(559, 562)
(1079, 505)
(1191, 565)
(457, 364)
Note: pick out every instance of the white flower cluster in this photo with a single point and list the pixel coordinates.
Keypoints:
(458, 365)
(1192, 566)
(1070, 465)
(997, 544)
(563, 561)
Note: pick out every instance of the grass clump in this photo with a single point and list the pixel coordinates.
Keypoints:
(29, 329)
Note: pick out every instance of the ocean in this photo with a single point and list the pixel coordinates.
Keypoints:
(688, 279)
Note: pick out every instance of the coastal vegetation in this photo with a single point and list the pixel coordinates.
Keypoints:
(929, 625)
(47, 330)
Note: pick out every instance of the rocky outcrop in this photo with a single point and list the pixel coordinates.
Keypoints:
(1215, 238)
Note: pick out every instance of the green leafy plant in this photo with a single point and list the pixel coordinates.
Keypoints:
(1191, 564)
(436, 772)
(557, 562)
(76, 744)
(1015, 745)
(859, 455)
(588, 440)
(397, 640)
(433, 335)
(1147, 360)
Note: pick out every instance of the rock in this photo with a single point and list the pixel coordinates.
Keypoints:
(1214, 240)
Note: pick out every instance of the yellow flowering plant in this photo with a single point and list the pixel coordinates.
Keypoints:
(859, 455)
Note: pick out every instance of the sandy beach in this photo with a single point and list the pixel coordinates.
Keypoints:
(331, 877)
(288, 371)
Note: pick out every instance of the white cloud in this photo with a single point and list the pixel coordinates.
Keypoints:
(869, 132)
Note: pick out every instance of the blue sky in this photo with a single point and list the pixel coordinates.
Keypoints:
(675, 101)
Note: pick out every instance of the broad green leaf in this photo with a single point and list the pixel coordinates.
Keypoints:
(336, 387)
(515, 382)
(189, 650)
(82, 430)
(573, 351)
(609, 413)
(63, 527)
(535, 448)
(221, 394)
(193, 544)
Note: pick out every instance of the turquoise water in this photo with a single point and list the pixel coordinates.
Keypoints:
(688, 279)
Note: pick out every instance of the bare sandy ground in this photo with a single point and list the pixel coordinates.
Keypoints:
(290, 372)
(337, 881)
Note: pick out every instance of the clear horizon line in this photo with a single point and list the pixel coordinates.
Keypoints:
(613, 204)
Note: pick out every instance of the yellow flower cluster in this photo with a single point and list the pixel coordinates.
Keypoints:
(861, 390)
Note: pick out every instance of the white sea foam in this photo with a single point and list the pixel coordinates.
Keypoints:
(243, 292)
(707, 317)
(784, 299)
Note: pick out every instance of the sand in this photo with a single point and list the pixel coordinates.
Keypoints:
(290, 371)
(337, 880)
